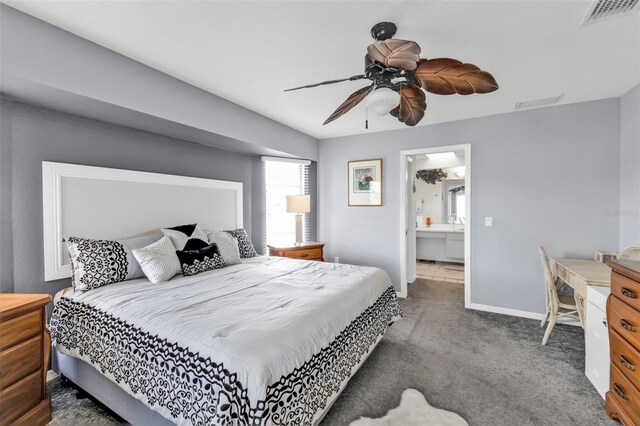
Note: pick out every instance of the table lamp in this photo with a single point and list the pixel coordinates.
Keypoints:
(298, 204)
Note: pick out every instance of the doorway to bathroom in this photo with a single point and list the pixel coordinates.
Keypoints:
(435, 216)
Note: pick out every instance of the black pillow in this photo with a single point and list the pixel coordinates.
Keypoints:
(186, 237)
(199, 260)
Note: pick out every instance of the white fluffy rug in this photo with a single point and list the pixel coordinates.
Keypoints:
(414, 410)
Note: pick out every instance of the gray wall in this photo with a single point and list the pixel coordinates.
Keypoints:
(630, 168)
(30, 135)
(48, 66)
(547, 176)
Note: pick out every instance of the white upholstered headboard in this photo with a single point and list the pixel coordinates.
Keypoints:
(103, 203)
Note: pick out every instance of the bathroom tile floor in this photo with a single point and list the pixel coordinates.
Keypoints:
(440, 271)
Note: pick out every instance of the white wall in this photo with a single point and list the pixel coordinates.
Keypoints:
(432, 196)
(547, 176)
(629, 211)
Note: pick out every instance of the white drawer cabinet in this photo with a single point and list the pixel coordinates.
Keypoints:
(440, 245)
(597, 338)
(455, 246)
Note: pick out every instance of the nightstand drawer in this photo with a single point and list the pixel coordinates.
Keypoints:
(309, 250)
(20, 397)
(309, 254)
(20, 329)
(20, 360)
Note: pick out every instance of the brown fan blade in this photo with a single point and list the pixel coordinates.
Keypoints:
(354, 99)
(353, 78)
(394, 53)
(445, 76)
(412, 105)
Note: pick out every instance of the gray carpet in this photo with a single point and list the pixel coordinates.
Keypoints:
(67, 410)
(489, 368)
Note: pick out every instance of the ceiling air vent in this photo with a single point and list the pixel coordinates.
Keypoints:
(533, 103)
(604, 9)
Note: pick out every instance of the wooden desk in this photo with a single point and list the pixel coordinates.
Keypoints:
(580, 273)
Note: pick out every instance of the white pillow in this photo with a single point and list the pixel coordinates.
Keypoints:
(227, 245)
(158, 261)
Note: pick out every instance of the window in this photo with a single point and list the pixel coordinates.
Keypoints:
(284, 177)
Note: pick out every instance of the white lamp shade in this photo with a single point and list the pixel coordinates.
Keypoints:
(298, 203)
(383, 100)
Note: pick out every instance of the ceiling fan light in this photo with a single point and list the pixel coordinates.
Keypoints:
(383, 100)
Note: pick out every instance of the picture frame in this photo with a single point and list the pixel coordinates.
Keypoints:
(364, 183)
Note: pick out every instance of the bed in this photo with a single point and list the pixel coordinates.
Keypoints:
(271, 341)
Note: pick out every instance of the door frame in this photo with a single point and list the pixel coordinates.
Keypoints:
(467, 228)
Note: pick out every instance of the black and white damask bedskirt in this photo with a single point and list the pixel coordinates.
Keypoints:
(190, 389)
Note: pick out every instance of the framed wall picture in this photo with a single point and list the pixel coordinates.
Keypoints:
(365, 183)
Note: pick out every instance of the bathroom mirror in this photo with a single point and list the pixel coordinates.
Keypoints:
(456, 203)
(455, 199)
(442, 198)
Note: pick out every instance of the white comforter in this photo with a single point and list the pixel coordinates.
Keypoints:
(261, 319)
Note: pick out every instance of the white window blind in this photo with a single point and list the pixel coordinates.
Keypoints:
(284, 177)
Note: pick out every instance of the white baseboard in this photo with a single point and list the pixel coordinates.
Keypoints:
(518, 313)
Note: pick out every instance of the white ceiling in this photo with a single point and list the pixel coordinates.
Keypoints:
(248, 52)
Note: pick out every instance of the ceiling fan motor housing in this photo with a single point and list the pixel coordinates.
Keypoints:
(383, 76)
(383, 30)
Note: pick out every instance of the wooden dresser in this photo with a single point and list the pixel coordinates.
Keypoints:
(623, 318)
(25, 347)
(309, 250)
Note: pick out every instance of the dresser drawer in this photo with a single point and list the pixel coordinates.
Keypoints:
(20, 360)
(615, 411)
(310, 254)
(625, 289)
(20, 329)
(625, 357)
(20, 397)
(625, 394)
(625, 320)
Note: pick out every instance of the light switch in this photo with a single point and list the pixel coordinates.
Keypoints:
(488, 221)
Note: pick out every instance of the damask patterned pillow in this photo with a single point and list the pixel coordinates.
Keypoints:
(244, 243)
(96, 263)
(201, 260)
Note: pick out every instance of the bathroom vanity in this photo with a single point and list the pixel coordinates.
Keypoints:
(441, 242)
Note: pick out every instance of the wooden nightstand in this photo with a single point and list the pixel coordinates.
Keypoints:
(309, 250)
(25, 347)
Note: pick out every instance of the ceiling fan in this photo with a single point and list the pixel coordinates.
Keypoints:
(399, 76)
